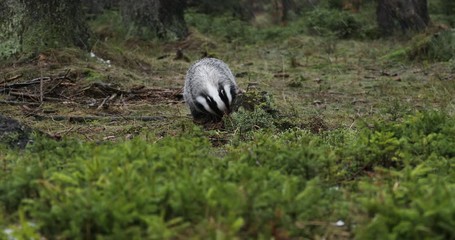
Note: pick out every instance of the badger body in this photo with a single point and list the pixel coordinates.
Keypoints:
(210, 89)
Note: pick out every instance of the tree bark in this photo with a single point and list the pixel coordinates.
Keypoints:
(94, 7)
(31, 26)
(407, 15)
(160, 18)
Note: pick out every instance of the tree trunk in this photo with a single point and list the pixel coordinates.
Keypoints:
(94, 7)
(31, 26)
(158, 18)
(407, 15)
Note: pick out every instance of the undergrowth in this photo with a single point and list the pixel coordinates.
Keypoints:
(385, 179)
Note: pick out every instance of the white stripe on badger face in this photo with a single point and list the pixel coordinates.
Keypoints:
(227, 91)
(213, 92)
(205, 104)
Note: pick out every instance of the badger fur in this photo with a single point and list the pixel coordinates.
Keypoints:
(210, 89)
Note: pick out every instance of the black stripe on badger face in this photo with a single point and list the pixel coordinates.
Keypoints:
(224, 98)
(214, 106)
(211, 104)
(233, 93)
(201, 108)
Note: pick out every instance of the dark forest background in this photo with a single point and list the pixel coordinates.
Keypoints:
(32, 25)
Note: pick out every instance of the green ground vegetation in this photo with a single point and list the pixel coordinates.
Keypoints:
(342, 136)
(387, 181)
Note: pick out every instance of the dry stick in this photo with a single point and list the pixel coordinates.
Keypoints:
(9, 87)
(19, 103)
(94, 118)
(11, 79)
(64, 132)
(33, 96)
(41, 87)
(102, 103)
(59, 81)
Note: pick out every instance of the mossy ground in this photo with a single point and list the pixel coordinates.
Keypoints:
(351, 83)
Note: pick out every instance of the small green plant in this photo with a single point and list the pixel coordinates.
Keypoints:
(246, 121)
(255, 111)
(435, 47)
(297, 82)
(442, 46)
(295, 152)
(395, 146)
(325, 22)
(226, 27)
(416, 203)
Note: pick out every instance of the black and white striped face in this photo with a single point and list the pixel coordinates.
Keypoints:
(216, 102)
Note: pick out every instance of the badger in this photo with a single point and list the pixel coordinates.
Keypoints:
(210, 89)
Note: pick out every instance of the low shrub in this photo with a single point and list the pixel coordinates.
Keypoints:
(327, 22)
(435, 47)
(416, 203)
(397, 145)
(226, 27)
(384, 180)
(167, 189)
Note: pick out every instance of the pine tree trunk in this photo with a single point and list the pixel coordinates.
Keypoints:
(407, 15)
(31, 26)
(155, 18)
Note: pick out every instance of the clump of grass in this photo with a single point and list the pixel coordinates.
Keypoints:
(297, 82)
(435, 47)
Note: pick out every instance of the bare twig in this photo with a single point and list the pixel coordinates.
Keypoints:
(59, 81)
(11, 79)
(106, 100)
(67, 73)
(34, 97)
(41, 96)
(9, 87)
(95, 118)
(19, 103)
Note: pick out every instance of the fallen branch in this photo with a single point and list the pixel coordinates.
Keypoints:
(19, 103)
(35, 97)
(11, 79)
(103, 89)
(8, 87)
(98, 118)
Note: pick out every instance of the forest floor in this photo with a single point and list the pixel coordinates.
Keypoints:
(350, 143)
(118, 92)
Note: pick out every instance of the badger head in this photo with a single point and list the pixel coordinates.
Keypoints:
(216, 101)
